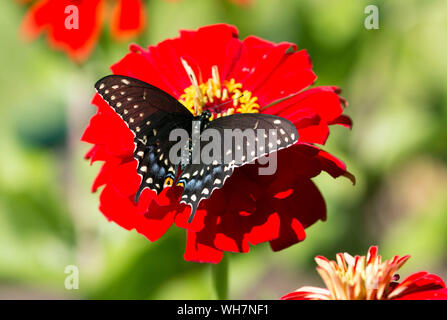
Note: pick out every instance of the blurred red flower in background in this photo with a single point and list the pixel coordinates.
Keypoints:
(250, 208)
(242, 2)
(370, 278)
(127, 19)
(239, 2)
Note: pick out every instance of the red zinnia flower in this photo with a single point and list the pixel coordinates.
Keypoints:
(370, 278)
(249, 209)
(53, 16)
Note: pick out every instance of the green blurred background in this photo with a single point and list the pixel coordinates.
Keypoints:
(394, 78)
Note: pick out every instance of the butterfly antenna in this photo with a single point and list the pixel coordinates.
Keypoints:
(281, 100)
(224, 103)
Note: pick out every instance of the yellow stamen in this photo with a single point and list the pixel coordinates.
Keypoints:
(221, 98)
(198, 102)
(216, 81)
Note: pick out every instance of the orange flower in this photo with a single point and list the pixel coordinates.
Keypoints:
(79, 39)
(370, 278)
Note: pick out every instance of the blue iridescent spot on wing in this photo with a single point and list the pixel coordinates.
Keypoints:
(207, 179)
(190, 184)
(198, 185)
(155, 168)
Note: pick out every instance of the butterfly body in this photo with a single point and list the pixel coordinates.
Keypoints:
(204, 118)
(152, 115)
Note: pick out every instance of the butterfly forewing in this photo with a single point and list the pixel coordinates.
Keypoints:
(270, 133)
(151, 114)
(138, 91)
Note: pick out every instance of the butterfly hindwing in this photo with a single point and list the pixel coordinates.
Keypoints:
(199, 181)
(154, 167)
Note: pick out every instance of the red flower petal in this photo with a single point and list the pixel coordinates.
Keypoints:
(324, 101)
(264, 67)
(122, 211)
(105, 173)
(97, 153)
(117, 208)
(293, 74)
(420, 285)
(440, 294)
(198, 252)
(320, 101)
(135, 64)
(342, 120)
(267, 231)
(295, 218)
(50, 16)
(95, 131)
(125, 179)
(216, 37)
(156, 221)
(128, 18)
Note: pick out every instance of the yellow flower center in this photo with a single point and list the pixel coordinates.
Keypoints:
(220, 98)
(360, 277)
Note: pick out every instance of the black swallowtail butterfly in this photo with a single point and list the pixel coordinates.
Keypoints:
(151, 114)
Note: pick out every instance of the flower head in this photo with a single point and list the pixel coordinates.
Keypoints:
(370, 278)
(209, 69)
(74, 26)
